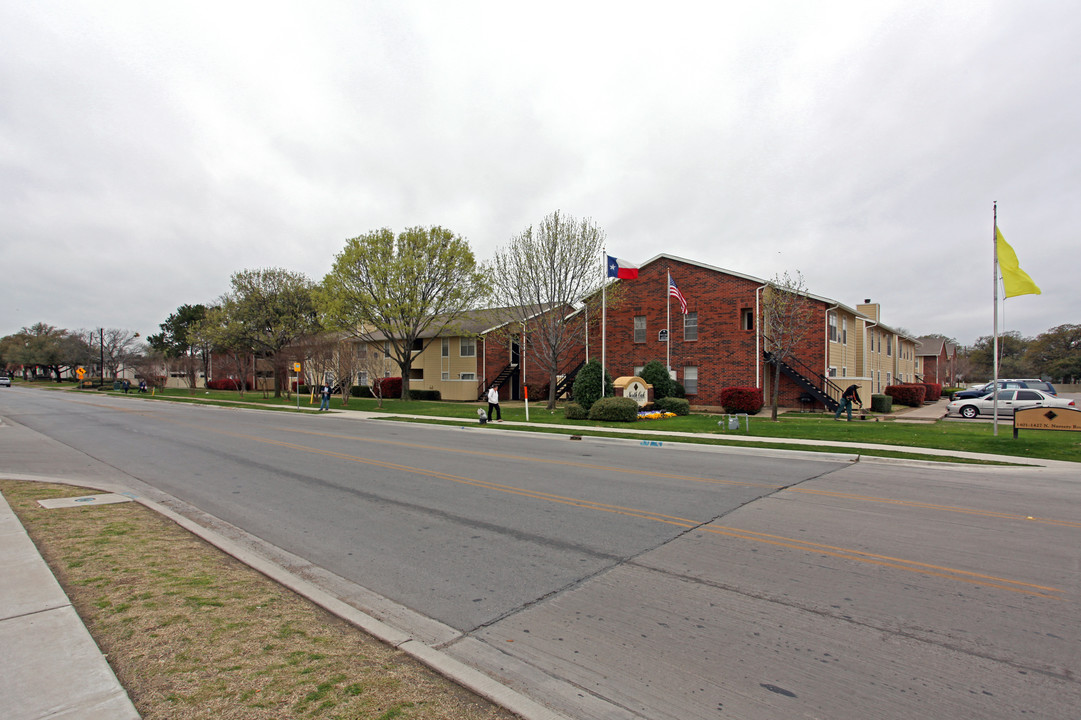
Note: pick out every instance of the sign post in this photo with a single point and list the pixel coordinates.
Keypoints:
(296, 369)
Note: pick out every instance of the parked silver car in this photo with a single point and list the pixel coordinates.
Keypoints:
(5, 381)
(1008, 401)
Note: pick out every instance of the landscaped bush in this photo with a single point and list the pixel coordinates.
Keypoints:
(390, 387)
(742, 400)
(361, 391)
(934, 392)
(587, 385)
(951, 390)
(881, 403)
(656, 375)
(678, 391)
(908, 394)
(574, 411)
(679, 406)
(425, 395)
(614, 409)
(225, 384)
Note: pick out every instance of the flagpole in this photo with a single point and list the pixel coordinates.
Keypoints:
(604, 311)
(668, 322)
(994, 344)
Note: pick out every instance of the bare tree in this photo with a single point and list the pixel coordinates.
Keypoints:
(787, 314)
(542, 275)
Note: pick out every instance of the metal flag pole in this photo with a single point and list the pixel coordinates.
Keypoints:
(604, 312)
(668, 323)
(994, 345)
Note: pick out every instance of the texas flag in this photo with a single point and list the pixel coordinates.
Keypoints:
(621, 269)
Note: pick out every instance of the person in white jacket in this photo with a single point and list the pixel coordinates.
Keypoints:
(493, 405)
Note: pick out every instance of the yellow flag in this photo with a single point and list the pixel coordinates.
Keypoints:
(1014, 279)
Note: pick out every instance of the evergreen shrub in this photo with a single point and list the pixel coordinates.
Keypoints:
(657, 375)
(574, 411)
(881, 403)
(587, 385)
(424, 395)
(614, 409)
(679, 406)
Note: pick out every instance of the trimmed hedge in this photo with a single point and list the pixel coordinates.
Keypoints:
(614, 409)
(881, 403)
(425, 395)
(742, 400)
(574, 411)
(679, 406)
(361, 391)
(390, 387)
(910, 394)
(934, 392)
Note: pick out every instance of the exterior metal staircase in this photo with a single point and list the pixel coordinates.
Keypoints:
(566, 384)
(504, 375)
(821, 388)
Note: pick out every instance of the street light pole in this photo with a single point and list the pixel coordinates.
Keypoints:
(101, 337)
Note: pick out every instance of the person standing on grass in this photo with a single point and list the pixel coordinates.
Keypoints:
(494, 413)
(849, 396)
(324, 402)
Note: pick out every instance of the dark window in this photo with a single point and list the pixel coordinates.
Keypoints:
(639, 328)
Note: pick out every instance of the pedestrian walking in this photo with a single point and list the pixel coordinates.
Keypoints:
(849, 396)
(324, 402)
(494, 413)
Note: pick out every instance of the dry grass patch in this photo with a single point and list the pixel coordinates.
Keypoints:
(193, 633)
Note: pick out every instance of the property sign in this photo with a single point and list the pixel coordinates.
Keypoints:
(1046, 418)
(634, 388)
(296, 367)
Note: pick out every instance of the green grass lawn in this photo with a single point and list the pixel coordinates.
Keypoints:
(949, 436)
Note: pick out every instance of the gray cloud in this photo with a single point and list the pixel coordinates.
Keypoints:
(149, 151)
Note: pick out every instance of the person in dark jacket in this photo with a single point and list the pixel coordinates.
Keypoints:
(324, 402)
(849, 396)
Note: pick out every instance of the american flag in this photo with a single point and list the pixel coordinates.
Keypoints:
(673, 291)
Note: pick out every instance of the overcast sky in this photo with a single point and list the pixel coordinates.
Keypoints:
(149, 150)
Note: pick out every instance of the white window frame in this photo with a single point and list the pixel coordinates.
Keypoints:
(693, 328)
(467, 347)
(687, 387)
(640, 332)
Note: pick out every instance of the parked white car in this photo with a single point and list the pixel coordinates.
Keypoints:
(5, 381)
(1008, 401)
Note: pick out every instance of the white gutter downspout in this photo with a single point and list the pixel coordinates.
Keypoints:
(758, 339)
(867, 354)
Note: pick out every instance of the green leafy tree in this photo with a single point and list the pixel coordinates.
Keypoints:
(44, 347)
(540, 275)
(587, 385)
(178, 343)
(1057, 353)
(404, 290)
(1011, 356)
(657, 375)
(267, 311)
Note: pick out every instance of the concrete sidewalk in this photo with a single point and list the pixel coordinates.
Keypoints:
(50, 666)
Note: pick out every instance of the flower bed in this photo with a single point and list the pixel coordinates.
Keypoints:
(655, 415)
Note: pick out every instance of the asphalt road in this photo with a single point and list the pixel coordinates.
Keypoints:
(615, 580)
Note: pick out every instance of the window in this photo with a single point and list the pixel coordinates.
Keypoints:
(639, 328)
(844, 372)
(362, 378)
(1028, 395)
(418, 345)
(889, 345)
(444, 376)
(831, 319)
(638, 370)
(444, 349)
(889, 378)
(467, 376)
(844, 331)
(833, 372)
(746, 319)
(467, 347)
(690, 326)
(690, 380)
